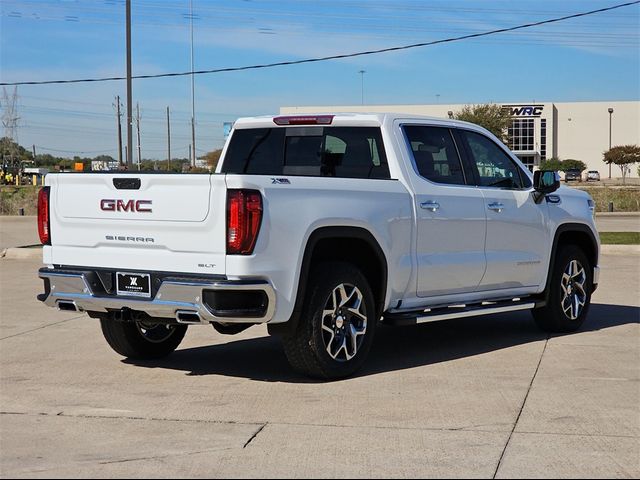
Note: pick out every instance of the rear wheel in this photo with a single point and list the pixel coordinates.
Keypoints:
(570, 292)
(337, 326)
(142, 340)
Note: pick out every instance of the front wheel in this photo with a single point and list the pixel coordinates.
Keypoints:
(142, 340)
(570, 292)
(337, 325)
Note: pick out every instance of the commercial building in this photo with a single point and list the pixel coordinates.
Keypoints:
(541, 130)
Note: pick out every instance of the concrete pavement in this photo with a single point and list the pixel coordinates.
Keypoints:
(478, 397)
(18, 232)
(618, 222)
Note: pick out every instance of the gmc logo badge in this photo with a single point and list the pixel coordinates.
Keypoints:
(111, 205)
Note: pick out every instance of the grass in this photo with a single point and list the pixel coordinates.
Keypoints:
(620, 238)
(13, 198)
(625, 199)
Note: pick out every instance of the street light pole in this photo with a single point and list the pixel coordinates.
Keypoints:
(129, 93)
(362, 72)
(193, 98)
(610, 114)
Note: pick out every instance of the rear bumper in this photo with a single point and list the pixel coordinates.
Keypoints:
(183, 298)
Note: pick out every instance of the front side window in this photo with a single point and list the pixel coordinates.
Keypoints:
(435, 154)
(493, 166)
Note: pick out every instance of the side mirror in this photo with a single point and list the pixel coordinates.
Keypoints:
(545, 182)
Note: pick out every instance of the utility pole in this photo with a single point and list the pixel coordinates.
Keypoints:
(118, 118)
(168, 140)
(10, 122)
(610, 110)
(129, 93)
(190, 151)
(193, 101)
(35, 162)
(138, 129)
(362, 72)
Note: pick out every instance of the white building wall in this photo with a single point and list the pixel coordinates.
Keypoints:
(583, 132)
(578, 130)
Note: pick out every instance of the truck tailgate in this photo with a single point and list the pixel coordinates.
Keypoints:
(150, 222)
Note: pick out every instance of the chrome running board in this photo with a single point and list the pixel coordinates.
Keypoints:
(458, 311)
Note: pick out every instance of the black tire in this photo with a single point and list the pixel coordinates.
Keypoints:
(311, 348)
(562, 314)
(142, 340)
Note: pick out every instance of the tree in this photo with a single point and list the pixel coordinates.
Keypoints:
(212, 158)
(571, 164)
(11, 150)
(490, 116)
(623, 156)
(553, 163)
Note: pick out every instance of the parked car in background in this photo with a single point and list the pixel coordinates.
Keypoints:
(573, 174)
(593, 175)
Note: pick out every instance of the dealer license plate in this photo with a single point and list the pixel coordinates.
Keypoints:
(133, 284)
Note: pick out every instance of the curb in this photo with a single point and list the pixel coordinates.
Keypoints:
(617, 214)
(22, 253)
(620, 249)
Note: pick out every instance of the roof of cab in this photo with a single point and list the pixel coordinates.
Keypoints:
(347, 119)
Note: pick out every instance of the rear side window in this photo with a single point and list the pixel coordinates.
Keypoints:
(348, 152)
(435, 154)
(256, 151)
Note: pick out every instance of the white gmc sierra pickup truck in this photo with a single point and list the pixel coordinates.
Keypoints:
(322, 227)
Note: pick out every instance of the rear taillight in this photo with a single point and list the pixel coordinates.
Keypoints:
(44, 224)
(244, 215)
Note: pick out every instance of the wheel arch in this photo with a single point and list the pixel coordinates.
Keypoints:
(572, 234)
(354, 245)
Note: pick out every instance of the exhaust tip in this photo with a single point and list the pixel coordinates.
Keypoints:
(67, 306)
(187, 317)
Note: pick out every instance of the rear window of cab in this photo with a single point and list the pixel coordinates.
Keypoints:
(322, 151)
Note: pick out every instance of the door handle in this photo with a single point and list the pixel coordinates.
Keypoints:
(496, 206)
(430, 205)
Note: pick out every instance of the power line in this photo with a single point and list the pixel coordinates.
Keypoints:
(74, 151)
(333, 57)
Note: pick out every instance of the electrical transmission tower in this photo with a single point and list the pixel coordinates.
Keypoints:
(10, 124)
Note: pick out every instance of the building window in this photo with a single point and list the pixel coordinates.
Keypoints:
(521, 137)
(543, 139)
(528, 160)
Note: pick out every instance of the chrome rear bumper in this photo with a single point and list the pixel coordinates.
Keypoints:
(180, 298)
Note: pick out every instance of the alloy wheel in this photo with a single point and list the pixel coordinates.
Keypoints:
(574, 294)
(344, 322)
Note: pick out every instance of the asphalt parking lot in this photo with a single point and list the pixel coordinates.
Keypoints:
(479, 397)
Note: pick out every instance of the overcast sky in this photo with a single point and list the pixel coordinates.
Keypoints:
(591, 58)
